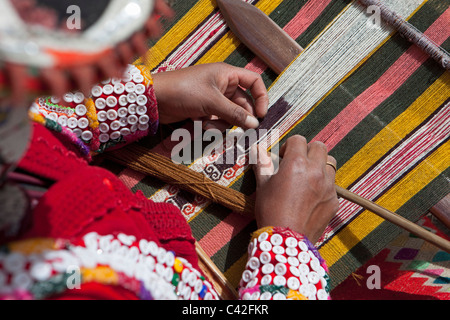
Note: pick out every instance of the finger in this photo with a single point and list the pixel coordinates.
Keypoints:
(253, 81)
(317, 151)
(84, 77)
(232, 113)
(241, 98)
(138, 40)
(263, 165)
(56, 80)
(163, 9)
(294, 147)
(109, 67)
(125, 53)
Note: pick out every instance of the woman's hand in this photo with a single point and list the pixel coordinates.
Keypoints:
(212, 92)
(301, 195)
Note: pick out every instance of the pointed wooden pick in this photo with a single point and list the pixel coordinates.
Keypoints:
(260, 34)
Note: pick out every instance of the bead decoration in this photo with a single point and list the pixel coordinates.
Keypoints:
(128, 100)
(290, 268)
(142, 266)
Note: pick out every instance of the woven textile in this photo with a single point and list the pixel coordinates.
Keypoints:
(378, 102)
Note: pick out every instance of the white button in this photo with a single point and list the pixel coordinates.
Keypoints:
(86, 135)
(123, 121)
(83, 123)
(100, 103)
(54, 100)
(68, 97)
(115, 80)
(104, 137)
(293, 283)
(127, 77)
(119, 88)
(252, 283)
(265, 280)
(41, 271)
(108, 89)
(303, 269)
(267, 268)
(115, 125)
(72, 123)
(315, 264)
(21, 280)
(111, 114)
(123, 101)
(111, 101)
(96, 91)
(265, 296)
(280, 269)
(276, 239)
(133, 128)
(303, 246)
(294, 271)
(103, 127)
(126, 239)
(62, 120)
(115, 135)
(80, 110)
(292, 252)
(279, 296)
(144, 119)
(304, 279)
(312, 290)
(14, 262)
(122, 112)
(278, 250)
(143, 127)
(247, 275)
(130, 87)
(132, 119)
(106, 81)
(253, 263)
(293, 261)
(78, 97)
(134, 70)
(291, 242)
(265, 245)
(141, 110)
(304, 290)
(140, 88)
(313, 277)
(101, 116)
(255, 295)
(77, 132)
(321, 272)
(125, 131)
(132, 109)
(263, 237)
(138, 78)
(280, 258)
(141, 100)
(265, 257)
(53, 116)
(322, 294)
(131, 97)
(169, 259)
(304, 257)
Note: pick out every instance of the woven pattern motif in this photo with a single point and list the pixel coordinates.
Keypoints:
(384, 117)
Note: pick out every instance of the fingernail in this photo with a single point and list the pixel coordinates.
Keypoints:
(251, 122)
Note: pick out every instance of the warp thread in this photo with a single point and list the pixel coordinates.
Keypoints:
(411, 33)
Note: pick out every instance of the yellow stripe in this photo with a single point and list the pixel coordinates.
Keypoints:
(419, 110)
(397, 196)
(229, 43)
(178, 33)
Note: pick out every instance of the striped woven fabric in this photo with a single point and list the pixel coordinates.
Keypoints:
(379, 103)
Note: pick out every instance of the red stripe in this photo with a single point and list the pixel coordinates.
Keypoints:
(385, 86)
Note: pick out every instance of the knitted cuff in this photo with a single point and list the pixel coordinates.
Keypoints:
(119, 111)
(283, 264)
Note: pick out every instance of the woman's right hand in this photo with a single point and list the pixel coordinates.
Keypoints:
(301, 195)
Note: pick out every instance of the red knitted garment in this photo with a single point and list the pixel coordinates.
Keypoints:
(86, 198)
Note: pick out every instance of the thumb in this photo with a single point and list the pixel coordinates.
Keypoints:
(263, 165)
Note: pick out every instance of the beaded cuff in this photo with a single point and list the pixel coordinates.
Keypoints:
(119, 111)
(283, 265)
(41, 268)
